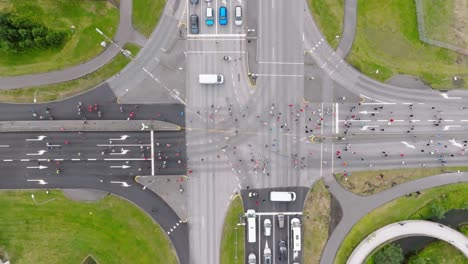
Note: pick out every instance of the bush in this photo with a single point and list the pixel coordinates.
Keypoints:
(21, 34)
(389, 254)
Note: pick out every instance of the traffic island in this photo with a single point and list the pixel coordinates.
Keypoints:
(171, 188)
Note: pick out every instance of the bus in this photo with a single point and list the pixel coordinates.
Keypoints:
(296, 234)
(251, 226)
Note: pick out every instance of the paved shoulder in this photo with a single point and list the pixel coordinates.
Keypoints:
(349, 28)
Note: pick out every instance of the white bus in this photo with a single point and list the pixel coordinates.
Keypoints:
(296, 234)
(210, 79)
(251, 225)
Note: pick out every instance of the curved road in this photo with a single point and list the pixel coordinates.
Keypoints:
(403, 229)
(125, 33)
(349, 28)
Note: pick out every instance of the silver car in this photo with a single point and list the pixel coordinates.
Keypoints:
(267, 227)
(252, 258)
(267, 254)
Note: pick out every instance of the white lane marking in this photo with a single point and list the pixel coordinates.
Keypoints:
(336, 119)
(378, 101)
(280, 63)
(58, 159)
(366, 127)
(415, 120)
(431, 120)
(398, 120)
(407, 103)
(40, 152)
(448, 120)
(448, 127)
(37, 167)
(39, 138)
(4, 146)
(8, 160)
(123, 137)
(24, 160)
(464, 120)
(39, 181)
(277, 213)
(156, 59)
(368, 112)
(353, 120)
(123, 145)
(126, 159)
(120, 167)
(445, 96)
(408, 145)
(124, 184)
(92, 159)
(152, 152)
(382, 120)
(75, 159)
(124, 151)
(228, 36)
(280, 75)
(455, 143)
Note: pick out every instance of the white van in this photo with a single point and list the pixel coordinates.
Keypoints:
(282, 196)
(251, 225)
(210, 79)
(296, 234)
(238, 16)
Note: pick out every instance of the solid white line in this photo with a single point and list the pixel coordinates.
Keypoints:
(75, 159)
(277, 213)
(280, 75)
(378, 103)
(288, 234)
(353, 120)
(4, 146)
(415, 120)
(200, 36)
(407, 103)
(258, 241)
(398, 120)
(42, 160)
(123, 145)
(124, 159)
(321, 159)
(24, 160)
(224, 52)
(337, 129)
(464, 120)
(448, 120)
(280, 62)
(8, 160)
(152, 152)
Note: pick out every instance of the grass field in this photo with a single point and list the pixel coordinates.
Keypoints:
(404, 208)
(61, 14)
(146, 14)
(445, 20)
(315, 222)
(64, 231)
(328, 14)
(63, 90)
(232, 234)
(370, 182)
(438, 251)
(387, 40)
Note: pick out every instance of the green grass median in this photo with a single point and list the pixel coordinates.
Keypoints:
(387, 40)
(84, 16)
(146, 14)
(64, 90)
(404, 208)
(329, 14)
(315, 222)
(59, 230)
(374, 181)
(232, 241)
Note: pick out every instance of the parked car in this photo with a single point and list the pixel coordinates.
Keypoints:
(283, 251)
(267, 254)
(238, 16)
(281, 220)
(223, 15)
(194, 24)
(252, 258)
(267, 227)
(209, 16)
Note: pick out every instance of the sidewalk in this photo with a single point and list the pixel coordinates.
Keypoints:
(90, 126)
(168, 188)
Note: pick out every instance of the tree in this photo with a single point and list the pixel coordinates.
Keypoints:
(437, 210)
(389, 254)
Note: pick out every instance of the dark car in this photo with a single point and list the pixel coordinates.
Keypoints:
(194, 24)
(194, 2)
(283, 251)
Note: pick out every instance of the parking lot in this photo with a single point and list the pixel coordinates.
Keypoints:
(210, 22)
(272, 241)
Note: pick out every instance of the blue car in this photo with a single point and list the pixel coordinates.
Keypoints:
(223, 15)
(209, 16)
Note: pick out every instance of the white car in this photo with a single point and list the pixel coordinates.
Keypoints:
(252, 258)
(267, 227)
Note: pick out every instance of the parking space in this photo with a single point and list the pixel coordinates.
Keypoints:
(277, 239)
(215, 17)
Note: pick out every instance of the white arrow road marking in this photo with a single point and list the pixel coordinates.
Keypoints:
(445, 96)
(366, 112)
(123, 137)
(120, 167)
(448, 127)
(124, 184)
(40, 181)
(38, 167)
(143, 127)
(40, 152)
(366, 127)
(455, 143)
(408, 145)
(124, 151)
(39, 138)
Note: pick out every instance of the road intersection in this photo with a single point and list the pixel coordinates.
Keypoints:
(309, 115)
